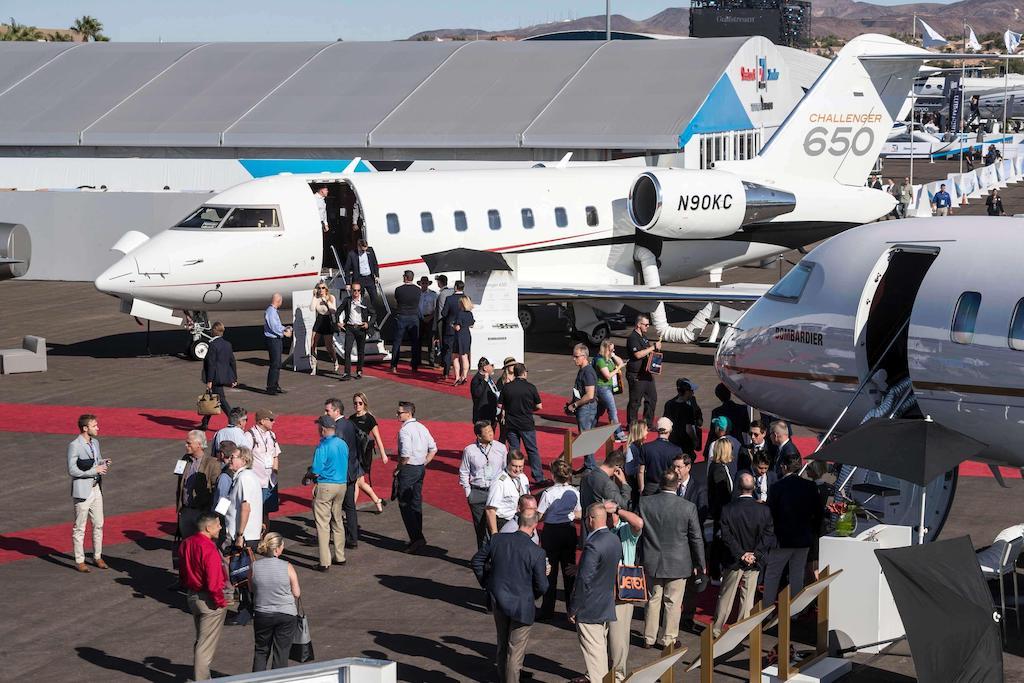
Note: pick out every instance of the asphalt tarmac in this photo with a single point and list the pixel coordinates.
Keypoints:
(426, 611)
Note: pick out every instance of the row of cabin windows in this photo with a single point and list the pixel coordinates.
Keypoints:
(965, 317)
(493, 220)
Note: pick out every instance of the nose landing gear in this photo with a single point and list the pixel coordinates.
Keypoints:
(198, 325)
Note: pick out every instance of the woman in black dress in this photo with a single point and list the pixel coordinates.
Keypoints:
(460, 353)
(326, 308)
(720, 485)
(366, 425)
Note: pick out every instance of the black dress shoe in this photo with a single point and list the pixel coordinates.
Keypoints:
(321, 568)
(346, 377)
(339, 563)
(349, 545)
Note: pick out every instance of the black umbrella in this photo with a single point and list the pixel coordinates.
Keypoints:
(463, 259)
(947, 610)
(912, 450)
(916, 451)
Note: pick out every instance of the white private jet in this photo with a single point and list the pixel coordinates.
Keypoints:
(576, 232)
(912, 318)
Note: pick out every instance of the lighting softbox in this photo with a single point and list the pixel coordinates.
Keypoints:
(952, 624)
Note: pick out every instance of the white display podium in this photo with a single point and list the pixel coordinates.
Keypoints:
(496, 332)
(862, 609)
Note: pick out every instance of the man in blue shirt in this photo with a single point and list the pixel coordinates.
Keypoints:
(330, 471)
(274, 333)
(942, 201)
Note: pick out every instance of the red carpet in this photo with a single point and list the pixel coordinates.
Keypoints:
(441, 488)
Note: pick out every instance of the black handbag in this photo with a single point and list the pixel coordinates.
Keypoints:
(273, 501)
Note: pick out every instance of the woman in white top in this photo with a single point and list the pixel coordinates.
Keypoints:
(559, 508)
(326, 308)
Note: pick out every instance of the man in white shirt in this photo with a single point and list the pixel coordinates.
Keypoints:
(235, 431)
(266, 453)
(416, 448)
(482, 462)
(503, 497)
(321, 207)
(244, 516)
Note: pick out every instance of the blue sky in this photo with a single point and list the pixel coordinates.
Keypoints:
(261, 20)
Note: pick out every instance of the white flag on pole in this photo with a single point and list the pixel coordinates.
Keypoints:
(929, 36)
(972, 40)
(1012, 40)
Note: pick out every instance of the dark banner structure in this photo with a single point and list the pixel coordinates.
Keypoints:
(716, 22)
(947, 610)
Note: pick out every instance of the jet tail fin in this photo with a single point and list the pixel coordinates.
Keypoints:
(837, 130)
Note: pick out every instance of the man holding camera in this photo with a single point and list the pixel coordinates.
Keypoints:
(607, 482)
(87, 467)
(584, 399)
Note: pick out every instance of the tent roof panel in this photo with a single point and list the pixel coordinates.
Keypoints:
(484, 96)
(18, 59)
(346, 91)
(56, 103)
(634, 94)
(201, 94)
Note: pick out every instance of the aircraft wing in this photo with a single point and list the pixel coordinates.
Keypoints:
(739, 293)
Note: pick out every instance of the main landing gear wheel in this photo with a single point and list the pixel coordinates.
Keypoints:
(198, 349)
(599, 334)
(527, 319)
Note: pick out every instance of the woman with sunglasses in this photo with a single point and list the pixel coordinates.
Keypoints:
(326, 308)
(366, 426)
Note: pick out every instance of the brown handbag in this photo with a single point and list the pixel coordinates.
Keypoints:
(208, 404)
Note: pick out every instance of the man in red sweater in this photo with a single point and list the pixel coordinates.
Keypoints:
(202, 575)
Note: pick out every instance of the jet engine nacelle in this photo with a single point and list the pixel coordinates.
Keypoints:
(688, 204)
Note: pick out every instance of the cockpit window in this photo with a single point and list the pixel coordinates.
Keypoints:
(790, 287)
(251, 218)
(207, 217)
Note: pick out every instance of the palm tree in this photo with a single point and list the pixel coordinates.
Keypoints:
(16, 31)
(89, 27)
(61, 37)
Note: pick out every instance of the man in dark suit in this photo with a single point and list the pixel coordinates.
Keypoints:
(694, 489)
(485, 393)
(738, 416)
(592, 606)
(782, 447)
(219, 369)
(672, 547)
(346, 431)
(513, 570)
(356, 317)
(796, 514)
(607, 482)
(361, 266)
(747, 535)
(758, 444)
(764, 478)
(446, 319)
(656, 458)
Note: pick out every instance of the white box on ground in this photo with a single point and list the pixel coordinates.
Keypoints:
(496, 332)
(861, 606)
(824, 671)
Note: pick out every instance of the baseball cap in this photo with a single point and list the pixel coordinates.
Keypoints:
(720, 422)
(683, 383)
(264, 414)
(664, 425)
(325, 421)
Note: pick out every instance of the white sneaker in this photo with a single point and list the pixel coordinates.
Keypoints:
(312, 365)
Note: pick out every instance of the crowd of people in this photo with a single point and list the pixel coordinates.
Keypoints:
(733, 510)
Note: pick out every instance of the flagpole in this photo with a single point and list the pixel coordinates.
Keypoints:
(1006, 86)
(963, 72)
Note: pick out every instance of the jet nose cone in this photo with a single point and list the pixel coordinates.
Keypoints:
(118, 279)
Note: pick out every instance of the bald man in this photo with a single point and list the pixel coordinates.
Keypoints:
(274, 333)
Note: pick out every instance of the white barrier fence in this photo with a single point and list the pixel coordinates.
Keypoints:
(348, 670)
(964, 186)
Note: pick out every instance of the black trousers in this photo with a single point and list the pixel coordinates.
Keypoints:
(447, 343)
(410, 499)
(225, 407)
(357, 336)
(477, 501)
(559, 543)
(778, 559)
(274, 348)
(348, 508)
(370, 289)
(642, 392)
(274, 633)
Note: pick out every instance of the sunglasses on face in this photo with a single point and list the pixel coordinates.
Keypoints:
(357, 402)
